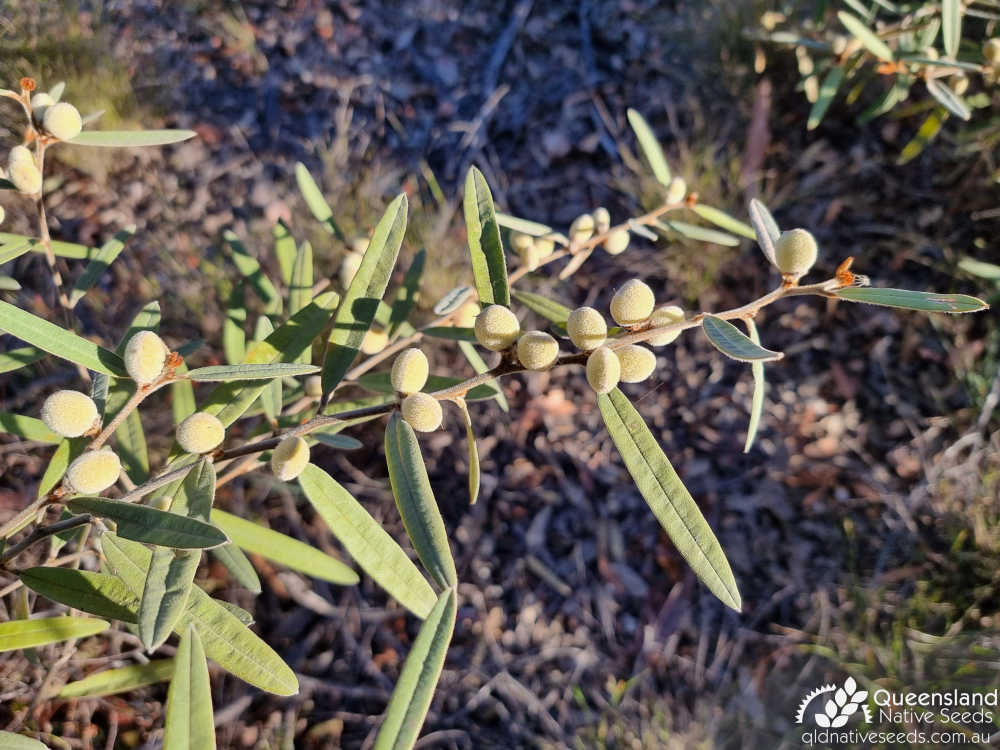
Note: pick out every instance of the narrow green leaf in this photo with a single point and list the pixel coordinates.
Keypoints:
(757, 402)
(130, 138)
(217, 373)
(910, 300)
(948, 98)
(182, 403)
(271, 397)
(284, 250)
(473, 452)
(668, 498)
(453, 300)
(65, 452)
(105, 257)
(827, 92)
(250, 268)
(868, 38)
(227, 640)
(766, 229)
(9, 284)
(234, 337)
(121, 680)
(15, 359)
(13, 250)
(94, 593)
(534, 228)
(416, 502)
(239, 566)
(11, 741)
(284, 550)
(141, 523)
(130, 439)
(489, 267)
(414, 691)
(315, 201)
(28, 428)
(450, 333)
(951, 25)
(19, 634)
(340, 442)
(300, 288)
(927, 132)
(367, 542)
(650, 146)
(732, 342)
(695, 232)
(189, 724)
(356, 313)
(407, 295)
(479, 365)
(980, 268)
(60, 249)
(724, 220)
(58, 341)
(548, 308)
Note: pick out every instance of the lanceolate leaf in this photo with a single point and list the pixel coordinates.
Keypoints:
(668, 498)
(948, 98)
(827, 92)
(249, 266)
(28, 428)
(95, 593)
(58, 341)
(65, 452)
(416, 503)
(951, 25)
(283, 549)
(766, 229)
(285, 250)
(189, 722)
(910, 300)
(415, 689)
(12, 250)
(226, 639)
(534, 228)
(357, 311)
(732, 342)
(105, 257)
(650, 147)
(141, 523)
(367, 542)
(18, 634)
(701, 233)
(453, 300)
(239, 566)
(757, 402)
(11, 741)
(926, 133)
(548, 308)
(130, 440)
(470, 439)
(450, 333)
(59, 249)
(489, 267)
(15, 359)
(234, 337)
(271, 397)
(314, 199)
(121, 680)
(218, 373)
(724, 220)
(868, 38)
(130, 138)
(300, 288)
(407, 295)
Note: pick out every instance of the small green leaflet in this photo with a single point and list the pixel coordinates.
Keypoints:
(283, 549)
(650, 147)
(58, 341)
(732, 342)
(489, 267)
(141, 523)
(121, 680)
(695, 232)
(450, 333)
(13, 250)
(668, 498)
(239, 566)
(414, 691)
(406, 295)
(473, 452)
(724, 220)
(314, 199)
(250, 268)
(534, 228)
(757, 402)
(367, 542)
(59, 249)
(416, 502)
(979, 268)
(827, 91)
(11, 741)
(15, 359)
(218, 373)
(284, 250)
(28, 428)
(948, 98)
(271, 398)
(453, 300)
(189, 723)
(910, 300)
(130, 138)
(926, 133)
(357, 311)
(234, 338)
(339, 442)
(94, 593)
(766, 229)
(549, 309)
(951, 25)
(301, 284)
(105, 257)
(18, 634)
(868, 38)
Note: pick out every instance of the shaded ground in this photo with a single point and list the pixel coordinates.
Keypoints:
(854, 536)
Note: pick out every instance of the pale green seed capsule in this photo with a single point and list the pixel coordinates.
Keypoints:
(349, 267)
(466, 315)
(586, 328)
(632, 303)
(374, 341)
(313, 386)
(616, 243)
(200, 433)
(991, 50)
(145, 357)
(582, 228)
(360, 245)
(422, 412)
(289, 458)
(521, 242)
(20, 154)
(69, 413)
(602, 219)
(544, 246)
(676, 190)
(795, 252)
(537, 350)
(409, 371)
(63, 121)
(664, 316)
(603, 370)
(497, 328)
(637, 363)
(25, 176)
(94, 472)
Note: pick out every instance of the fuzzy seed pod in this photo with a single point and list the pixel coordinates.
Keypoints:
(200, 433)
(289, 458)
(25, 176)
(603, 370)
(586, 328)
(497, 328)
(531, 257)
(537, 350)
(602, 219)
(545, 246)
(676, 190)
(409, 371)
(632, 303)
(637, 363)
(991, 50)
(349, 267)
(466, 315)
(63, 121)
(422, 412)
(961, 83)
(664, 316)
(520, 242)
(94, 472)
(145, 356)
(313, 387)
(374, 341)
(795, 252)
(19, 154)
(582, 228)
(839, 44)
(69, 413)
(617, 242)
(359, 245)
